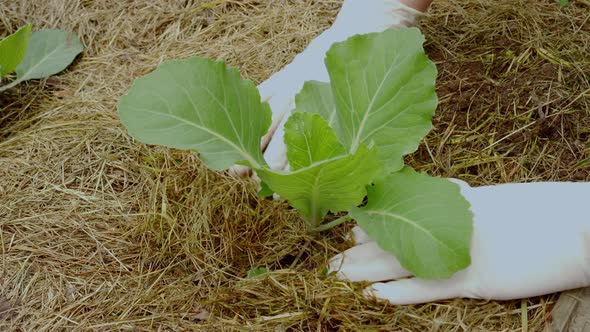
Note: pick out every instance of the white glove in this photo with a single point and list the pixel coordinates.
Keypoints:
(529, 239)
(355, 17)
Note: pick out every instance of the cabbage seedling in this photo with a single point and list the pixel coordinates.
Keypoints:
(345, 141)
(34, 55)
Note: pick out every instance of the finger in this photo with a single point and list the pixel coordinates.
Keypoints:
(415, 290)
(239, 171)
(257, 181)
(366, 262)
(359, 236)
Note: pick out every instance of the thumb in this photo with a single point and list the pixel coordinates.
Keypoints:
(415, 290)
(366, 262)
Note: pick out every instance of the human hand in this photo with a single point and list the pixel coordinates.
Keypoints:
(529, 239)
(355, 17)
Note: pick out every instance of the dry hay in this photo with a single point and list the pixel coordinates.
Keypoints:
(514, 89)
(101, 233)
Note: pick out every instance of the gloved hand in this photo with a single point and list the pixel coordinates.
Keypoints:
(355, 17)
(528, 240)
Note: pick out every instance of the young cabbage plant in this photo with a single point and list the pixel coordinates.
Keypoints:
(345, 141)
(34, 55)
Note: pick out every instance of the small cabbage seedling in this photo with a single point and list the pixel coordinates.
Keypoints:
(33, 55)
(345, 141)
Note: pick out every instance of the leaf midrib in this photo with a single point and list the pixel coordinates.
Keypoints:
(31, 69)
(393, 64)
(245, 154)
(414, 224)
(356, 140)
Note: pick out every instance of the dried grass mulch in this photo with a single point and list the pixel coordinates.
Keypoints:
(101, 233)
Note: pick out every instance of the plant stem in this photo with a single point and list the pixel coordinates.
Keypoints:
(10, 85)
(331, 224)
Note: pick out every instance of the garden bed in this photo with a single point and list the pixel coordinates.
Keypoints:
(99, 232)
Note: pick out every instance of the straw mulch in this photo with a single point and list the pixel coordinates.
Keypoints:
(101, 233)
